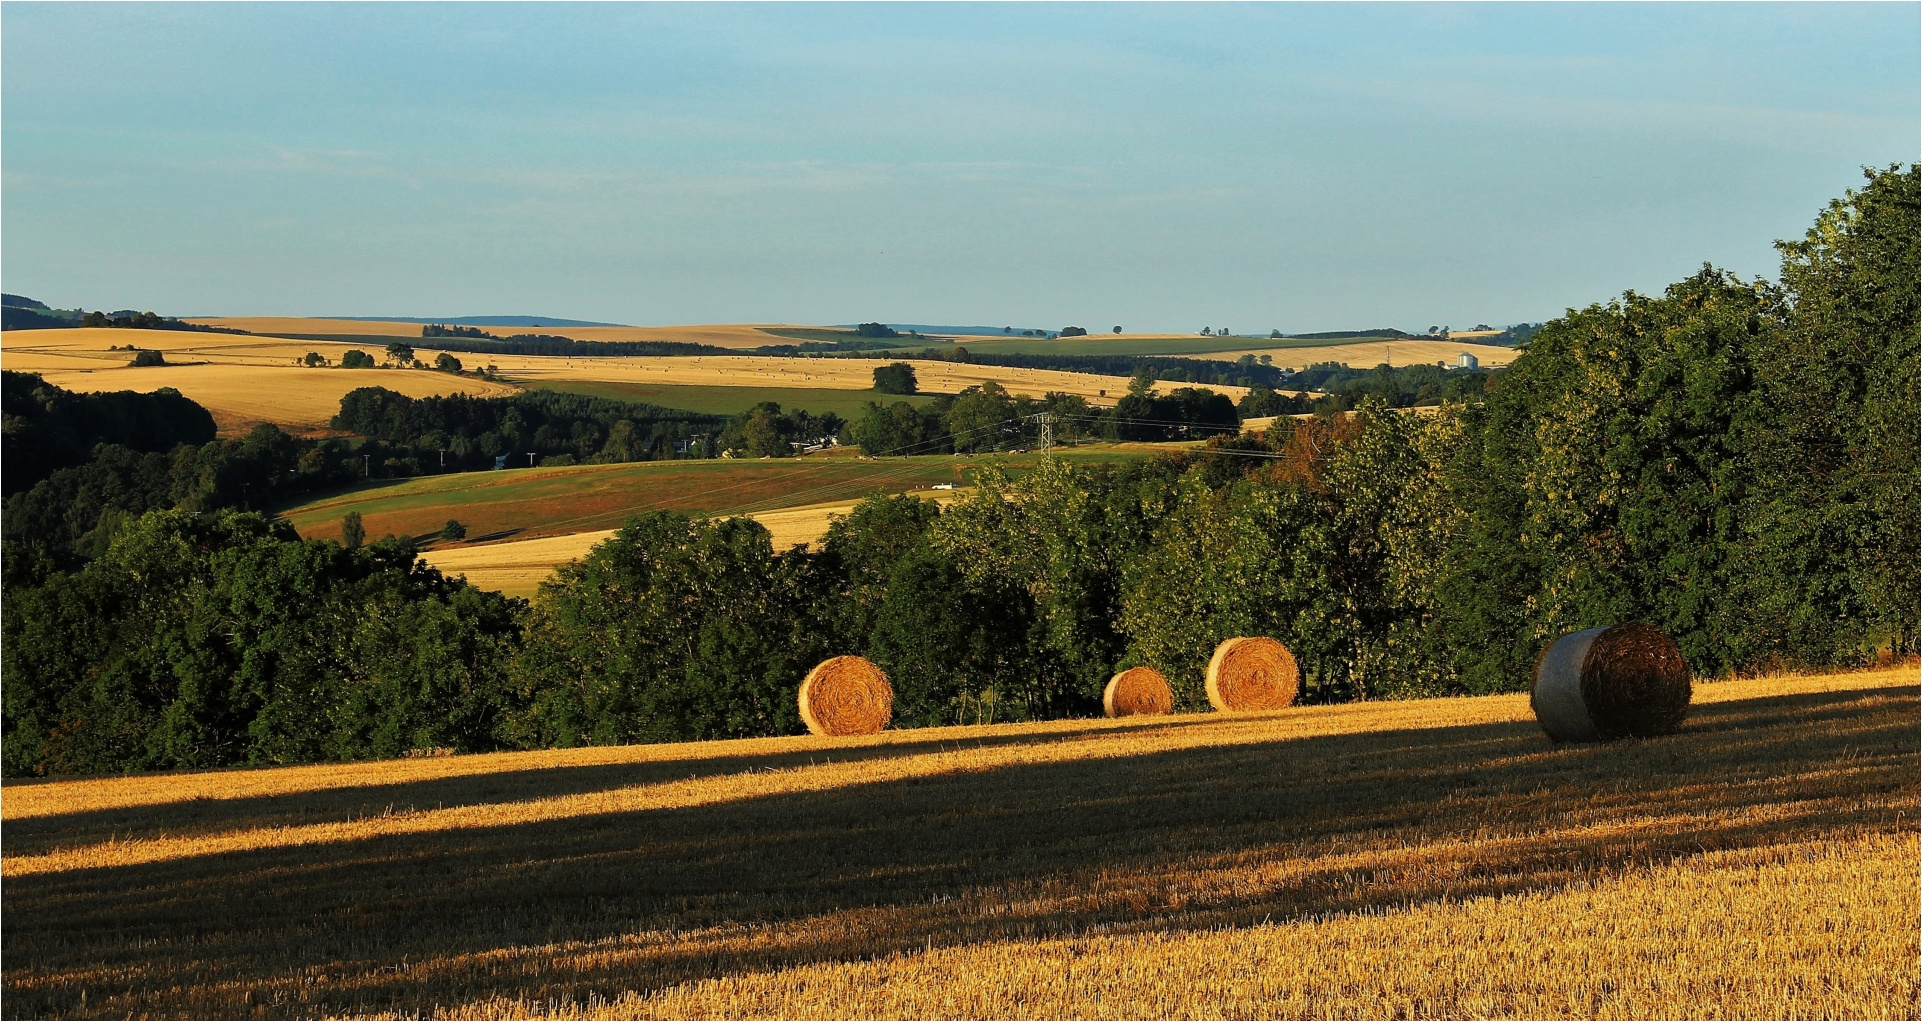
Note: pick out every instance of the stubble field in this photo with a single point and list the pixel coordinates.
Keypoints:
(244, 380)
(518, 567)
(1371, 354)
(528, 502)
(1420, 858)
(720, 335)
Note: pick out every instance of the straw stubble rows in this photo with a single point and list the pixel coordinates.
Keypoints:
(1422, 857)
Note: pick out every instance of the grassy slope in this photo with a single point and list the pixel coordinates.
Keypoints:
(558, 501)
(1433, 858)
(731, 400)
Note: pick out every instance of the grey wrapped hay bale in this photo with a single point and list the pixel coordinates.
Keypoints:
(1606, 683)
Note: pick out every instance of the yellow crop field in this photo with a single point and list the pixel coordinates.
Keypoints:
(518, 567)
(1374, 353)
(824, 373)
(721, 335)
(1418, 858)
(240, 390)
(74, 352)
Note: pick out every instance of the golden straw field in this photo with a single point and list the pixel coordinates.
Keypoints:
(518, 567)
(1374, 353)
(248, 379)
(721, 335)
(1417, 858)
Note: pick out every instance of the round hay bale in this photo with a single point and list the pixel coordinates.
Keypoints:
(846, 695)
(1252, 673)
(1138, 690)
(1605, 683)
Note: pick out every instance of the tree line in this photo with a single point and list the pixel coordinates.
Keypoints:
(558, 427)
(1732, 461)
(987, 418)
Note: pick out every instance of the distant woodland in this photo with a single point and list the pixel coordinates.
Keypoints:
(1734, 461)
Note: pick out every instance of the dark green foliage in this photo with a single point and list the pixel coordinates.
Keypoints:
(141, 321)
(947, 645)
(483, 343)
(147, 357)
(1397, 387)
(15, 318)
(1165, 367)
(901, 429)
(441, 330)
(1514, 337)
(356, 359)
(765, 431)
(1261, 402)
(352, 533)
(1605, 481)
(1075, 331)
(675, 628)
(473, 430)
(1053, 547)
(447, 363)
(1830, 520)
(876, 330)
(47, 428)
(221, 639)
(76, 510)
(896, 378)
(453, 531)
(1184, 413)
(1732, 462)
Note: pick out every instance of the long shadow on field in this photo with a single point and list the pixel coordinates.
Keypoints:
(38, 834)
(1222, 835)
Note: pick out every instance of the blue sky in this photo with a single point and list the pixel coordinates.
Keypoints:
(1157, 167)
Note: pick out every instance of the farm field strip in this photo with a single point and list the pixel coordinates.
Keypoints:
(32, 799)
(1185, 345)
(824, 373)
(1370, 355)
(589, 498)
(529, 502)
(211, 371)
(721, 335)
(518, 567)
(716, 400)
(1629, 946)
(1417, 857)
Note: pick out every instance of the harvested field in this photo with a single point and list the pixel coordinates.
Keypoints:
(238, 395)
(721, 335)
(1418, 858)
(734, 400)
(524, 503)
(518, 567)
(69, 350)
(1373, 353)
(814, 373)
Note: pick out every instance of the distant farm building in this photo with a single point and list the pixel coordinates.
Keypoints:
(1467, 361)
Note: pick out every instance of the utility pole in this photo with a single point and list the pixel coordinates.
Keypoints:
(530, 459)
(1045, 444)
(367, 465)
(443, 458)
